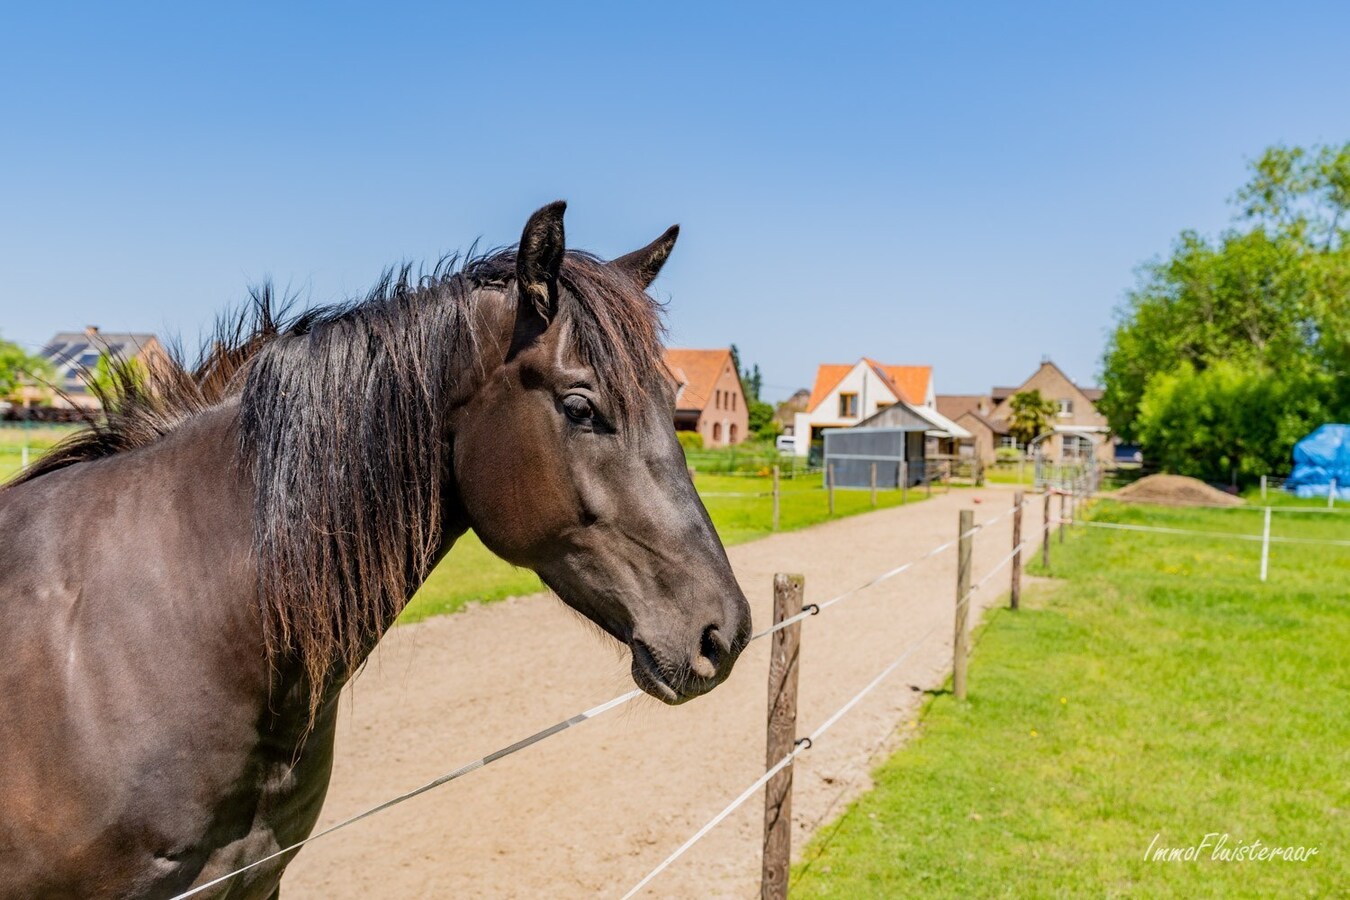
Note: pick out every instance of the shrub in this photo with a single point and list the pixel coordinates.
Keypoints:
(1007, 455)
(690, 440)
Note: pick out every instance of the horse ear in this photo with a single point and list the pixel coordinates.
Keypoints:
(645, 264)
(539, 259)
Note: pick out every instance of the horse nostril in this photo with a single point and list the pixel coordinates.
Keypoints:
(712, 650)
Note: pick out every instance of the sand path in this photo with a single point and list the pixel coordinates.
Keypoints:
(590, 811)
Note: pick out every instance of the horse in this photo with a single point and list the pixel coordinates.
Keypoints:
(189, 582)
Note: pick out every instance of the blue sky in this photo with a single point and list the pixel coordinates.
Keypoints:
(971, 187)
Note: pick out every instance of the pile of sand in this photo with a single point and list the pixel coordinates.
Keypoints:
(1176, 490)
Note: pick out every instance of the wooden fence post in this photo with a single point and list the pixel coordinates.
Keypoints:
(967, 522)
(829, 477)
(874, 485)
(1045, 533)
(904, 481)
(775, 498)
(788, 593)
(1015, 597)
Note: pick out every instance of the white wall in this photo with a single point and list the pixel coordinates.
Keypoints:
(864, 382)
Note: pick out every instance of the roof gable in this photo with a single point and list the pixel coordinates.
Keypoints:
(828, 376)
(908, 383)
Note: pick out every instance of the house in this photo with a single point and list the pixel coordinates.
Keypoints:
(709, 398)
(74, 356)
(974, 413)
(844, 395)
(786, 412)
(1076, 429)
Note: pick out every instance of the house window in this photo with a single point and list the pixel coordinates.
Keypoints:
(733, 408)
(717, 432)
(1065, 408)
(1076, 447)
(731, 433)
(848, 406)
(1007, 440)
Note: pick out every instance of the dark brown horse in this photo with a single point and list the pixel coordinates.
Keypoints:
(186, 586)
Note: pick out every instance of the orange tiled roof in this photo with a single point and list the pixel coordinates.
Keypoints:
(828, 376)
(910, 383)
(697, 372)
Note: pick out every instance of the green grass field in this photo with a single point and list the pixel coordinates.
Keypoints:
(1154, 689)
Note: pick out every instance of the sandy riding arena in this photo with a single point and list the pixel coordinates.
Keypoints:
(590, 811)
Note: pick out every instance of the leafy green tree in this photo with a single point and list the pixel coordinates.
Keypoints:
(1268, 299)
(1031, 414)
(111, 376)
(759, 415)
(1230, 420)
(18, 367)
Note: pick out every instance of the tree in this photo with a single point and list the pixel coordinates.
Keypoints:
(759, 415)
(18, 367)
(1229, 419)
(1268, 299)
(1030, 415)
(112, 377)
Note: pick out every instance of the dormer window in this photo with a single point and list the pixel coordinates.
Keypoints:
(1065, 408)
(848, 406)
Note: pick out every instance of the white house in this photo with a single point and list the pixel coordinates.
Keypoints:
(844, 395)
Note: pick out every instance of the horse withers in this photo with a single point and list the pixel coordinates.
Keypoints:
(187, 584)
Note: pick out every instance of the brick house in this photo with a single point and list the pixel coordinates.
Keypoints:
(1076, 427)
(709, 398)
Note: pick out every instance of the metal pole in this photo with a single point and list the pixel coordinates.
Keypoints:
(904, 481)
(1045, 533)
(874, 485)
(1061, 517)
(1263, 488)
(829, 476)
(1015, 598)
(1331, 495)
(1265, 546)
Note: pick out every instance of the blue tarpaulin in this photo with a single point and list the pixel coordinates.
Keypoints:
(1321, 458)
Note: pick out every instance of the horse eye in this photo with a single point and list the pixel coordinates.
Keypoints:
(578, 408)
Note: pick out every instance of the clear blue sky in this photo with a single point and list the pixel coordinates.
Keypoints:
(969, 187)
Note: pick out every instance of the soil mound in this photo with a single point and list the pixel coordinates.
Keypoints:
(1176, 490)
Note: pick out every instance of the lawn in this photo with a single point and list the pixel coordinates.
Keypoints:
(1153, 692)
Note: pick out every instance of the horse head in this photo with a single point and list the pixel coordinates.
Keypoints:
(566, 461)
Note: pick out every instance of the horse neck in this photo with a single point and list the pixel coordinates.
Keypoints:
(347, 432)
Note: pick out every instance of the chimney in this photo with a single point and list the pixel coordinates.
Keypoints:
(91, 331)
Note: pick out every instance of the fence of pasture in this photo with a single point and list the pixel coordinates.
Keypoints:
(784, 740)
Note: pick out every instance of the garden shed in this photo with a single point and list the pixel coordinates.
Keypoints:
(892, 439)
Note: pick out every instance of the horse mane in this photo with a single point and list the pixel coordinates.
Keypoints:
(344, 429)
